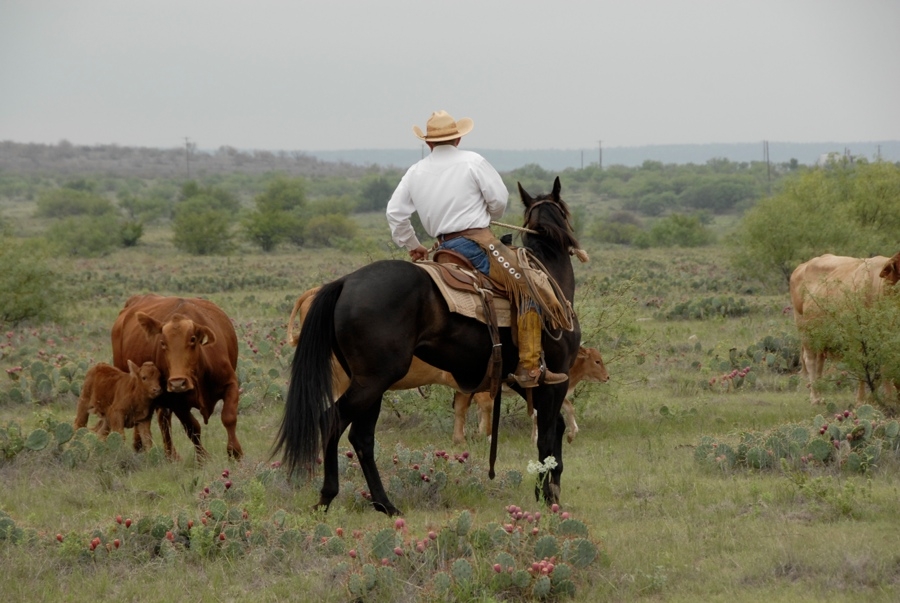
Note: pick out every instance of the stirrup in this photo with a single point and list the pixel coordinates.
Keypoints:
(551, 378)
(527, 378)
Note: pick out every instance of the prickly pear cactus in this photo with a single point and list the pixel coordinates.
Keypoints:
(541, 588)
(381, 544)
(572, 527)
(521, 578)
(63, 433)
(579, 552)
(443, 583)
(505, 560)
(218, 509)
(322, 530)
(37, 439)
(546, 547)
(464, 523)
(462, 571)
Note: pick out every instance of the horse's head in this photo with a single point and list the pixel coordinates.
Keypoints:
(549, 218)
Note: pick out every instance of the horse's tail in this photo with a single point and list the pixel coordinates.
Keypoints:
(309, 394)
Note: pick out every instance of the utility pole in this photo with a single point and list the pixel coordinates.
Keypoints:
(187, 155)
(600, 154)
(768, 170)
(582, 159)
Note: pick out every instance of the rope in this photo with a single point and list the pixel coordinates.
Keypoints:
(581, 254)
(510, 226)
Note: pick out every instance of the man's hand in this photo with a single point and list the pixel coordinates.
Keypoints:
(419, 253)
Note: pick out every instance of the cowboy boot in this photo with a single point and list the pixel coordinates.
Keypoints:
(528, 372)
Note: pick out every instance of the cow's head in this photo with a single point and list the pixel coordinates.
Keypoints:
(181, 340)
(591, 362)
(891, 270)
(148, 376)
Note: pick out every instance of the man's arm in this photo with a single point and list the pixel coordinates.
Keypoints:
(494, 190)
(399, 210)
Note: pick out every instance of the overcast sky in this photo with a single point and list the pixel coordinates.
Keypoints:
(328, 75)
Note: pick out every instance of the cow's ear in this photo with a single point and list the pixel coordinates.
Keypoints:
(133, 368)
(205, 335)
(150, 325)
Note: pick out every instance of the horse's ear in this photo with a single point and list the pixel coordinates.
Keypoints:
(556, 188)
(526, 198)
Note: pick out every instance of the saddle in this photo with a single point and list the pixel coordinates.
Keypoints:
(461, 284)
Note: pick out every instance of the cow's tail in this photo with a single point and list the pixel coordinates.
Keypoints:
(293, 338)
(309, 394)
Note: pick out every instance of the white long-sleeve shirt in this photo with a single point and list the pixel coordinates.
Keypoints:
(451, 190)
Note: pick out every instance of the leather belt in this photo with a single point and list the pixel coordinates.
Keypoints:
(443, 238)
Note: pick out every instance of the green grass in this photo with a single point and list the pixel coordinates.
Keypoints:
(673, 530)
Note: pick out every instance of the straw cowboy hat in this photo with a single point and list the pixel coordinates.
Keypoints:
(442, 126)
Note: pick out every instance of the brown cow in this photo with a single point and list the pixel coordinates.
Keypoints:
(588, 366)
(120, 399)
(827, 277)
(193, 343)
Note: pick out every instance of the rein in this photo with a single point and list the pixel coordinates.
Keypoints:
(581, 254)
(511, 227)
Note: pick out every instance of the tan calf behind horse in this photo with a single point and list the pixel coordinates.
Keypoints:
(588, 367)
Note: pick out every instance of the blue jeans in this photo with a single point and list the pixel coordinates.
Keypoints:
(471, 250)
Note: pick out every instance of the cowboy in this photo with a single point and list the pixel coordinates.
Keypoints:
(456, 194)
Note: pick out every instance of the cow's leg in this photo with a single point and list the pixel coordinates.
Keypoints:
(142, 436)
(164, 419)
(137, 442)
(889, 388)
(813, 362)
(804, 373)
(101, 428)
(569, 415)
(229, 420)
(485, 412)
(192, 429)
(115, 419)
(81, 412)
(861, 392)
(818, 371)
(461, 403)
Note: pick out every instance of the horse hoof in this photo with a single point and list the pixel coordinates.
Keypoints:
(388, 509)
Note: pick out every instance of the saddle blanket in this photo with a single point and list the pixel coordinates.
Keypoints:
(467, 304)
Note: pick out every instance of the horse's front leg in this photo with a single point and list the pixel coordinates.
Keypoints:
(362, 437)
(551, 427)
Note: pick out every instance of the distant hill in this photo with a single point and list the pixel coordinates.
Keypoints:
(71, 159)
(560, 159)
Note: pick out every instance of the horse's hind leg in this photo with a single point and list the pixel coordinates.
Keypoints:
(362, 437)
(330, 482)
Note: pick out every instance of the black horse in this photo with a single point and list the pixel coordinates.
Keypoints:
(377, 318)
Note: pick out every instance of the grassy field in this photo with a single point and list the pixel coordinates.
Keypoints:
(668, 527)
